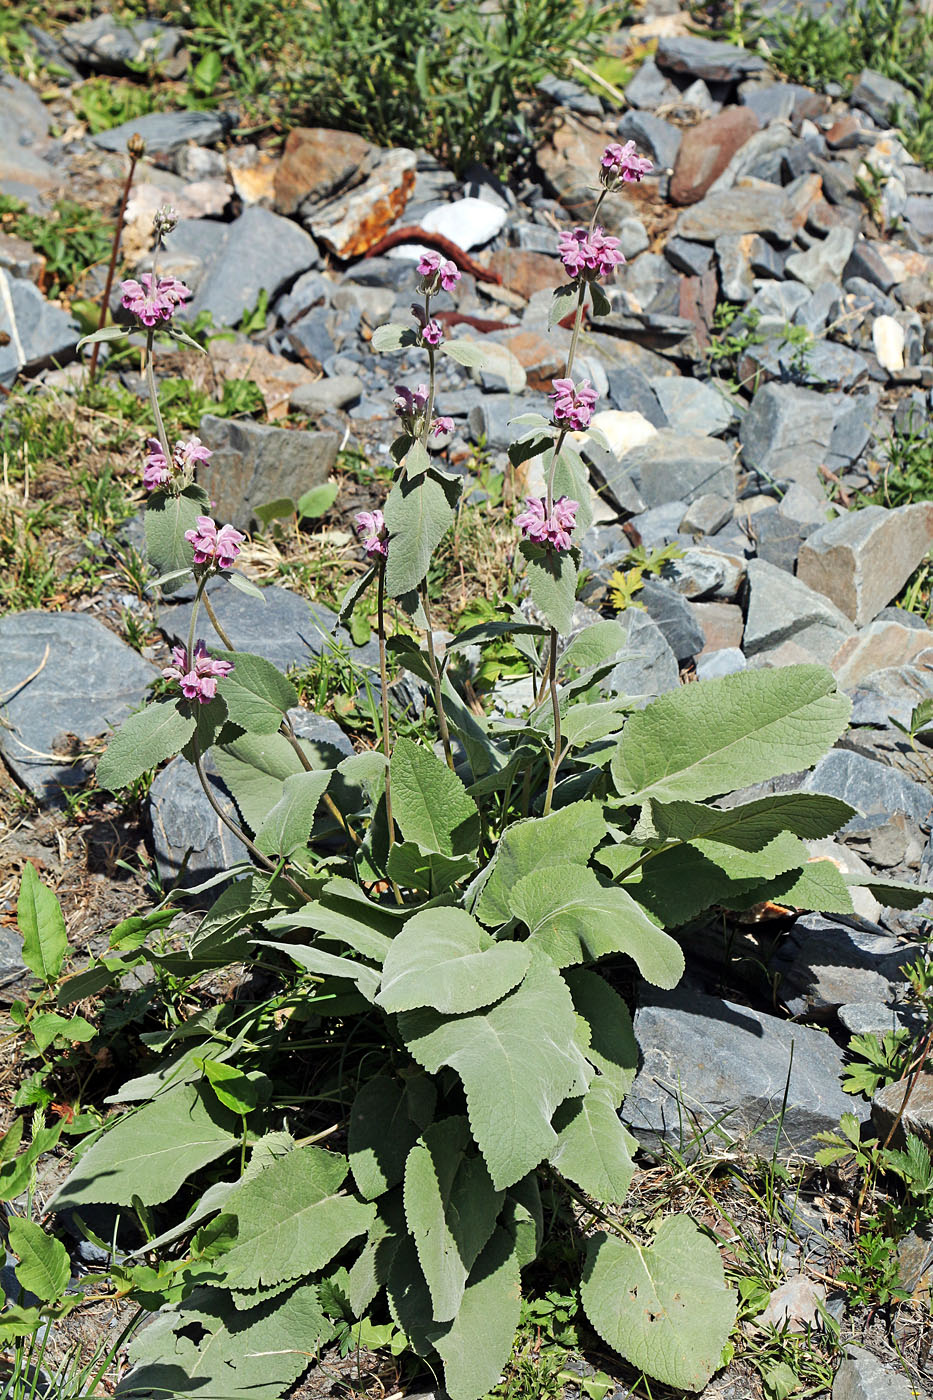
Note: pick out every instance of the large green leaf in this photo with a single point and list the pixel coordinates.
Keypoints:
(451, 1208)
(386, 1120)
(44, 1267)
(573, 918)
(323, 964)
(41, 922)
(416, 869)
(752, 824)
(430, 803)
(552, 582)
(153, 1151)
(896, 894)
(612, 1047)
(594, 646)
(445, 959)
(167, 519)
(254, 768)
(569, 835)
(256, 692)
(287, 826)
(707, 739)
(517, 1061)
(476, 1345)
(418, 514)
(144, 740)
(207, 1347)
(343, 914)
(820, 885)
(664, 1306)
(677, 884)
(292, 1219)
(594, 1148)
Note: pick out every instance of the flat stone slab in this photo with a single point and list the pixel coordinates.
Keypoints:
(255, 463)
(862, 559)
(281, 626)
(34, 332)
(189, 840)
(165, 132)
(869, 786)
(863, 1377)
(89, 680)
(672, 466)
(260, 252)
(706, 1061)
(781, 609)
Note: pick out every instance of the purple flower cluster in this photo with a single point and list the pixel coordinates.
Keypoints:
(573, 405)
(437, 272)
(198, 679)
(432, 334)
(554, 530)
(622, 165)
(214, 545)
(157, 471)
(152, 300)
(371, 528)
(589, 253)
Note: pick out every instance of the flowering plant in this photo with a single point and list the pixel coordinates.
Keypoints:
(451, 924)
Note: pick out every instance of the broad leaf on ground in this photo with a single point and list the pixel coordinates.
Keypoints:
(703, 740)
(750, 825)
(476, 1345)
(443, 958)
(292, 1221)
(517, 1062)
(153, 1151)
(451, 1209)
(573, 918)
(44, 1267)
(663, 1306)
(319, 961)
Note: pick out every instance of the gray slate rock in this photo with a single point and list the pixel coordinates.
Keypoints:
(824, 363)
(728, 1065)
(90, 680)
(646, 666)
(862, 559)
(879, 96)
(255, 463)
(692, 406)
(12, 967)
(184, 824)
(285, 629)
(39, 333)
(650, 88)
(108, 47)
(705, 58)
(777, 538)
(785, 435)
(631, 391)
(165, 132)
(324, 395)
(868, 786)
(823, 964)
(652, 135)
(261, 252)
(706, 515)
(692, 258)
(782, 609)
(863, 1377)
(672, 613)
(674, 466)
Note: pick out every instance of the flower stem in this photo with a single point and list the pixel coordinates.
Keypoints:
(114, 250)
(436, 680)
(555, 706)
(384, 680)
(192, 627)
(208, 608)
(238, 831)
(154, 397)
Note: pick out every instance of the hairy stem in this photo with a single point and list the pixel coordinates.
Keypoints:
(555, 707)
(154, 397)
(436, 680)
(192, 626)
(238, 832)
(384, 680)
(111, 268)
(208, 608)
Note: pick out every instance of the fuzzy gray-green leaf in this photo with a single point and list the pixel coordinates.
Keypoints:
(594, 1148)
(144, 740)
(429, 802)
(444, 959)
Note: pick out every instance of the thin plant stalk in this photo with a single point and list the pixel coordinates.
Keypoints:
(154, 396)
(135, 149)
(384, 680)
(555, 708)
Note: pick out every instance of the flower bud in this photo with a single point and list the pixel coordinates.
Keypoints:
(136, 146)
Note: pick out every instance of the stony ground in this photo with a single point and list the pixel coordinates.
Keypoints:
(765, 381)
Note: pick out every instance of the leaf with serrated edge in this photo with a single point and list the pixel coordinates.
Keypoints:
(207, 1343)
(613, 1048)
(665, 1306)
(413, 868)
(168, 517)
(152, 1152)
(517, 1062)
(429, 803)
(451, 1209)
(254, 768)
(476, 1345)
(292, 1220)
(444, 959)
(594, 1149)
(382, 1132)
(568, 835)
(418, 515)
(324, 964)
(819, 885)
(703, 740)
(573, 918)
(44, 1267)
(896, 894)
(752, 824)
(552, 582)
(143, 741)
(287, 827)
(256, 692)
(41, 922)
